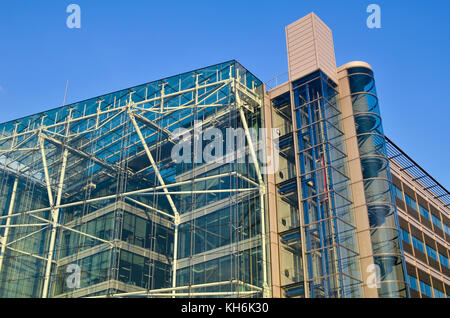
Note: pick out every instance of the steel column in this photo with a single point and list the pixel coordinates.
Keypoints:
(4, 239)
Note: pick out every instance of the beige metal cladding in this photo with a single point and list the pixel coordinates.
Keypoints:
(310, 47)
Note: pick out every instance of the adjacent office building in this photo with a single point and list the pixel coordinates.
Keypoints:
(213, 184)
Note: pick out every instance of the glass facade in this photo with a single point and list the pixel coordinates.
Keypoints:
(287, 202)
(91, 189)
(431, 252)
(444, 260)
(424, 212)
(331, 251)
(436, 222)
(417, 243)
(379, 192)
(405, 236)
(413, 282)
(425, 289)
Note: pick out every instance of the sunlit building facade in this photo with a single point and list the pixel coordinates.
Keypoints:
(282, 190)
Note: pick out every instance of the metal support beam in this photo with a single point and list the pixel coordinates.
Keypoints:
(149, 207)
(4, 239)
(301, 216)
(168, 196)
(175, 257)
(54, 174)
(45, 166)
(27, 253)
(21, 225)
(54, 211)
(234, 294)
(123, 195)
(82, 154)
(169, 291)
(266, 288)
(55, 218)
(27, 236)
(71, 229)
(152, 161)
(151, 124)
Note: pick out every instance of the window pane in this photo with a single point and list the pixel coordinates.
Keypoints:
(438, 293)
(418, 244)
(431, 252)
(447, 229)
(398, 192)
(425, 289)
(413, 282)
(436, 221)
(444, 260)
(410, 201)
(424, 212)
(405, 236)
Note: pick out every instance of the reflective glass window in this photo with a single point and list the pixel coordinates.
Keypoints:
(424, 212)
(436, 221)
(432, 253)
(444, 260)
(413, 283)
(398, 192)
(405, 236)
(438, 293)
(410, 201)
(425, 289)
(417, 243)
(446, 229)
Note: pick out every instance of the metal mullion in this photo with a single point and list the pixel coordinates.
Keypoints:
(4, 238)
(36, 130)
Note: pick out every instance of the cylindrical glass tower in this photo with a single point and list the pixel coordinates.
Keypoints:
(378, 190)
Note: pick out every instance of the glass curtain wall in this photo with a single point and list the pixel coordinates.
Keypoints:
(332, 265)
(91, 188)
(290, 250)
(378, 188)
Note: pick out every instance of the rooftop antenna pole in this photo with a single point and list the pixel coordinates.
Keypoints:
(65, 94)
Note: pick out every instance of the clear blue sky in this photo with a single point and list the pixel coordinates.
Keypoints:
(125, 43)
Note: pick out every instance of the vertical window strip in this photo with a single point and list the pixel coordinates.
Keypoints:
(436, 221)
(424, 212)
(431, 252)
(444, 260)
(398, 192)
(405, 236)
(438, 293)
(410, 201)
(418, 244)
(425, 289)
(446, 229)
(413, 283)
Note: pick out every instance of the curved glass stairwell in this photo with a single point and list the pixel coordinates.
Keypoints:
(387, 250)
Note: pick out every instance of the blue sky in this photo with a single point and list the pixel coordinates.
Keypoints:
(125, 43)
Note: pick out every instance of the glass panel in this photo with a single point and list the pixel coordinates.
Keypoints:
(417, 243)
(425, 289)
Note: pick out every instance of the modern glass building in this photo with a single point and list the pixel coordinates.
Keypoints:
(213, 184)
(92, 187)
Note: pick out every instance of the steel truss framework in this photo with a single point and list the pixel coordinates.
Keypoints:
(106, 161)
